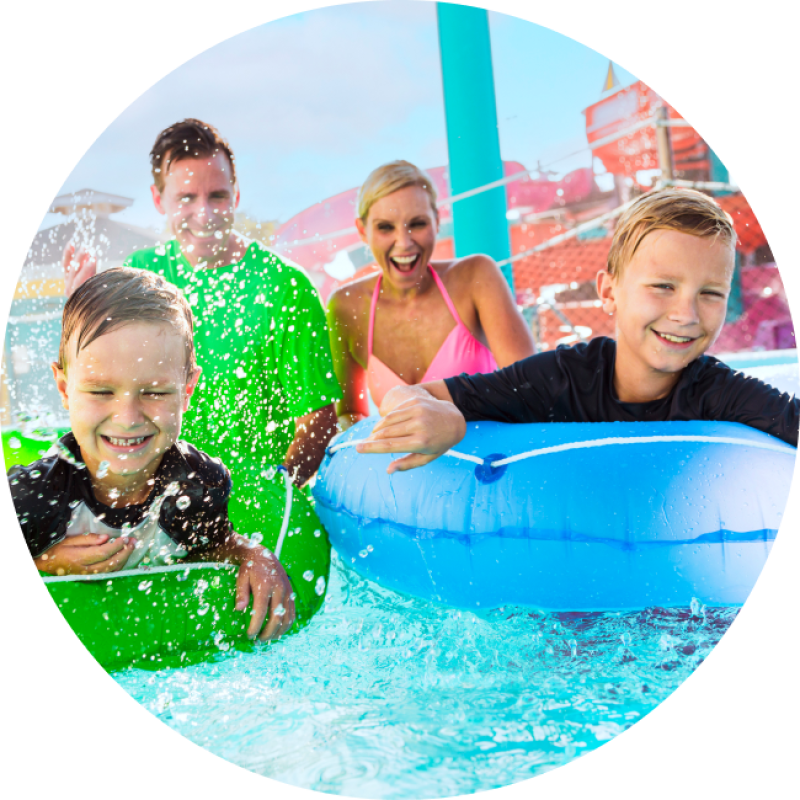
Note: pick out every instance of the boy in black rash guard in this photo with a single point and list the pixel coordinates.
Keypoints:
(122, 490)
(668, 279)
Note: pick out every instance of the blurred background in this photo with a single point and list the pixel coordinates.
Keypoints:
(312, 103)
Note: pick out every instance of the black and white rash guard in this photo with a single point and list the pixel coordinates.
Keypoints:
(576, 384)
(186, 512)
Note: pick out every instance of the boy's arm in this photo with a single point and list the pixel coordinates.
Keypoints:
(736, 397)
(429, 419)
(86, 554)
(420, 420)
(262, 577)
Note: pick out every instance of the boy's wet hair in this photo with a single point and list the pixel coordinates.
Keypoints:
(390, 178)
(118, 297)
(189, 138)
(682, 210)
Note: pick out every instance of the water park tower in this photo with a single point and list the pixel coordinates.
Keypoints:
(473, 143)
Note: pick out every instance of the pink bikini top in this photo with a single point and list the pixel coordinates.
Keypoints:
(460, 352)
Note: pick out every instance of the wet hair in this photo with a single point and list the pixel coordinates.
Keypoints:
(189, 138)
(389, 178)
(118, 297)
(682, 210)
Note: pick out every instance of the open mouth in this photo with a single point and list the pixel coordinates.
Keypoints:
(674, 340)
(127, 444)
(405, 264)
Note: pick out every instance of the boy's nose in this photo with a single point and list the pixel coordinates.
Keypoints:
(684, 309)
(128, 412)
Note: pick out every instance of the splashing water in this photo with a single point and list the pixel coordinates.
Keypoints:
(65, 454)
(102, 469)
(386, 696)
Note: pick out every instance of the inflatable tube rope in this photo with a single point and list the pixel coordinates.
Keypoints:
(564, 516)
(176, 615)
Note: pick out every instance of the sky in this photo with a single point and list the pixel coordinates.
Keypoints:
(313, 102)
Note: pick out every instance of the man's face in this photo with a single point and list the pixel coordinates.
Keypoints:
(199, 199)
(126, 393)
(670, 300)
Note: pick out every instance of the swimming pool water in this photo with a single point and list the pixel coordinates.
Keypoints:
(386, 696)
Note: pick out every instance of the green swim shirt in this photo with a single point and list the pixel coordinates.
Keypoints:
(262, 342)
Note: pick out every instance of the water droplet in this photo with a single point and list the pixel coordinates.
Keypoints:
(145, 586)
(203, 610)
(35, 473)
(14, 443)
(370, 548)
(256, 538)
(183, 502)
(362, 553)
(317, 533)
(308, 575)
(102, 469)
(280, 610)
(172, 489)
(319, 586)
(269, 473)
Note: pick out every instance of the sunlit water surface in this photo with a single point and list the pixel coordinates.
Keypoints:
(385, 696)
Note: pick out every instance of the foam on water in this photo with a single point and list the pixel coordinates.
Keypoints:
(385, 696)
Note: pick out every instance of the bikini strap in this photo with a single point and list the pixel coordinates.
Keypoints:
(372, 313)
(440, 283)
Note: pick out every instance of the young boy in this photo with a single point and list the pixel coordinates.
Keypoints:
(667, 284)
(123, 490)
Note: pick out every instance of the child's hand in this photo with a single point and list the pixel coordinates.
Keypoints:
(86, 554)
(262, 575)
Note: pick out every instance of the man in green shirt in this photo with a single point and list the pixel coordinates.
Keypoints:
(267, 388)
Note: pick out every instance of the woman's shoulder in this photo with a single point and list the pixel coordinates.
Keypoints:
(349, 298)
(468, 272)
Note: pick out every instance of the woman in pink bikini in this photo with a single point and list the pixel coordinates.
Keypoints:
(416, 320)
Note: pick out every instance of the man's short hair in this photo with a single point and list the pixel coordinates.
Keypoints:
(118, 297)
(189, 138)
(682, 210)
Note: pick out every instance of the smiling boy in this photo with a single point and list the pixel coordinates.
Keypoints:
(667, 283)
(123, 490)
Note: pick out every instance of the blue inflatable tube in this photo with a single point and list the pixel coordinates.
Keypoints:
(588, 517)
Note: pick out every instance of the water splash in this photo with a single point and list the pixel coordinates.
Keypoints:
(447, 702)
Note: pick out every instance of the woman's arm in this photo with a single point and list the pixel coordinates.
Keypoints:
(351, 375)
(507, 335)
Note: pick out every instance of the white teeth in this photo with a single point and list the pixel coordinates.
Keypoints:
(202, 234)
(404, 260)
(677, 339)
(126, 442)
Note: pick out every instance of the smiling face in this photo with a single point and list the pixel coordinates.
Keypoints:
(199, 199)
(670, 302)
(401, 229)
(126, 393)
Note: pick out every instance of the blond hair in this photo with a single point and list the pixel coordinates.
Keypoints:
(390, 178)
(682, 210)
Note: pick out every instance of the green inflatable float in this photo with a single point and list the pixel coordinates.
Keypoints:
(170, 616)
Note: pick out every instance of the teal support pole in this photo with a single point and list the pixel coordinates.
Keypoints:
(719, 172)
(473, 144)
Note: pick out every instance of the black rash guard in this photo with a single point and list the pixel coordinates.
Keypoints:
(576, 384)
(186, 512)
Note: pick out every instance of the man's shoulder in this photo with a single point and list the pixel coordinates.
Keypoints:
(155, 258)
(273, 265)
